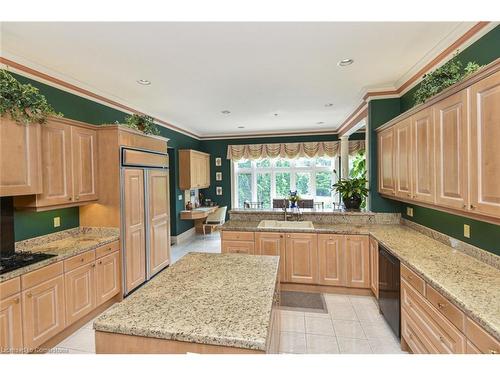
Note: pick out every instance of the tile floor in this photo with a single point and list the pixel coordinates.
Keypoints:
(353, 324)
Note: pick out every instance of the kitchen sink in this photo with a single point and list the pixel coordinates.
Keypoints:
(273, 224)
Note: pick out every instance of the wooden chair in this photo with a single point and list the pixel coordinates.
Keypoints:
(215, 219)
(306, 203)
(251, 205)
(278, 203)
(319, 205)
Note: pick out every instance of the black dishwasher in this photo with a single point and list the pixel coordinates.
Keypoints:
(389, 286)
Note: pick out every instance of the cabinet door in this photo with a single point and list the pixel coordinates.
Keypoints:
(302, 258)
(272, 244)
(56, 165)
(485, 146)
(84, 163)
(206, 170)
(238, 247)
(331, 252)
(374, 266)
(107, 277)
(423, 156)
(403, 159)
(450, 119)
(43, 312)
(386, 175)
(11, 333)
(80, 292)
(357, 261)
(135, 233)
(158, 221)
(20, 158)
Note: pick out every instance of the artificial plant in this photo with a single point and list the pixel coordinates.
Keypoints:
(143, 123)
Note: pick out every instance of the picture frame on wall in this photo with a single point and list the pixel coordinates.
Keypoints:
(218, 162)
(218, 176)
(218, 190)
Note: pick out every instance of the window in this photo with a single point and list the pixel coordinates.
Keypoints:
(266, 179)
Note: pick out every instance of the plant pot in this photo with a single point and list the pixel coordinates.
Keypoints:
(352, 203)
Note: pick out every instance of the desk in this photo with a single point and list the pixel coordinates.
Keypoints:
(198, 215)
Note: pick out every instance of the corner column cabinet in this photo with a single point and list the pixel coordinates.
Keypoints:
(20, 158)
(194, 169)
(374, 266)
(454, 141)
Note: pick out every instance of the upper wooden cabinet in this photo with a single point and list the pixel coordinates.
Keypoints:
(69, 167)
(485, 146)
(386, 175)
(20, 158)
(403, 158)
(194, 169)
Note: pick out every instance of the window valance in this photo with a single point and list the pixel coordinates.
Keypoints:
(290, 150)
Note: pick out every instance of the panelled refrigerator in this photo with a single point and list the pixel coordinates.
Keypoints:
(145, 212)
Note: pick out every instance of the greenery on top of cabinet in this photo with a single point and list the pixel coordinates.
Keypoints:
(23, 102)
(142, 123)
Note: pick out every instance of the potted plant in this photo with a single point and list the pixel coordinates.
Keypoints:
(23, 102)
(353, 191)
(142, 123)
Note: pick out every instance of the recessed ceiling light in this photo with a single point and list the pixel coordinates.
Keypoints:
(345, 62)
(241, 127)
(144, 82)
(276, 115)
(329, 105)
(225, 112)
(320, 123)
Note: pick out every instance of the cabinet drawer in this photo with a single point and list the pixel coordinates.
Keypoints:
(10, 287)
(415, 281)
(107, 249)
(239, 247)
(79, 260)
(41, 275)
(443, 335)
(445, 307)
(413, 335)
(237, 236)
(480, 338)
(472, 349)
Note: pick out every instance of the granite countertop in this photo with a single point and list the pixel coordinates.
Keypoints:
(471, 284)
(63, 244)
(219, 299)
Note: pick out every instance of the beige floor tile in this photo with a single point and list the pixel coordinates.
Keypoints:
(368, 313)
(293, 323)
(385, 346)
(336, 299)
(319, 326)
(353, 346)
(317, 315)
(83, 340)
(344, 312)
(319, 344)
(285, 312)
(377, 330)
(348, 329)
(292, 342)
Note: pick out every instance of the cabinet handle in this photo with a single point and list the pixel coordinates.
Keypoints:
(77, 197)
(281, 236)
(464, 206)
(288, 236)
(70, 198)
(100, 262)
(29, 295)
(492, 351)
(109, 248)
(472, 206)
(441, 338)
(441, 305)
(93, 265)
(81, 260)
(17, 300)
(409, 195)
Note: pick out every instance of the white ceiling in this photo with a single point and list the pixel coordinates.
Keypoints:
(252, 69)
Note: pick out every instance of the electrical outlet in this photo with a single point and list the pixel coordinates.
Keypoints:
(57, 222)
(466, 231)
(180, 197)
(409, 211)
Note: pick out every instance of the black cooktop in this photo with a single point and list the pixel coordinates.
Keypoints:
(21, 259)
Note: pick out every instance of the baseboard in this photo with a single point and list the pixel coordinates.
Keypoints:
(183, 237)
(292, 287)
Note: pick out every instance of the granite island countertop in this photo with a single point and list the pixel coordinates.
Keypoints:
(218, 299)
(64, 244)
(471, 284)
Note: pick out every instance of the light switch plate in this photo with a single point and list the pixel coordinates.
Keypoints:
(57, 222)
(466, 231)
(409, 211)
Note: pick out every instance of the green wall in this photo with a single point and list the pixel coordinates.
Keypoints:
(32, 224)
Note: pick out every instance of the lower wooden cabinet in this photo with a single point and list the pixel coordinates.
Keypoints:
(43, 312)
(331, 259)
(272, 244)
(301, 258)
(80, 292)
(11, 330)
(107, 277)
(239, 247)
(358, 261)
(374, 266)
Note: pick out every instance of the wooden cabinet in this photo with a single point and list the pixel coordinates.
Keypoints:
(301, 258)
(107, 277)
(484, 146)
(480, 339)
(135, 240)
(43, 311)
(450, 119)
(386, 161)
(403, 159)
(267, 243)
(423, 156)
(194, 169)
(374, 266)
(11, 331)
(20, 158)
(238, 247)
(69, 167)
(357, 261)
(158, 221)
(331, 260)
(80, 292)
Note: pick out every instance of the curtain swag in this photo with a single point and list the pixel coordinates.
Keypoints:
(290, 150)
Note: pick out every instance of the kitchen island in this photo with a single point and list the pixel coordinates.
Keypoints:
(204, 303)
